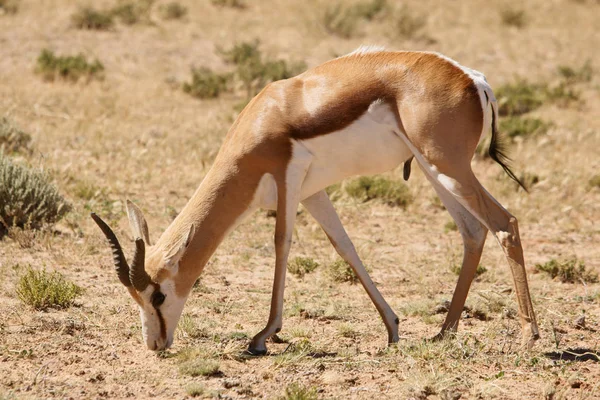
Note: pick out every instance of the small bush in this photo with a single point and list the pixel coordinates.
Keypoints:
(450, 226)
(393, 193)
(296, 391)
(132, 12)
(301, 266)
(341, 271)
(200, 367)
(12, 139)
(229, 3)
(27, 197)
(194, 389)
(408, 25)
(92, 19)
(340, 20)
(51, 67)
(576, 75)
(520, 97)
(595, 181)
(455, 269)
(9, 7)
(513, 17)
(563, 94)
(571, 270)
(43, 290)
(523, 127)
(173, 10)
(370, 9)
(206, 83)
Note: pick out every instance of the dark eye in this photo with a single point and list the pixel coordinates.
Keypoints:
(157, 299)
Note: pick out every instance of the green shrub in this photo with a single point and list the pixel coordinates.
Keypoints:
(90, 18)
(571, 270)
(132, 12)
(563, 94)
(194, 389)
(393, 193)
(513, 17)
(43, 290)
(296, 391)
(12, 139)
(576, 75)
(229, 3)
(520, 97)
(206, 83)
(450, 226)
(523, 127)
(9, 6)
(341, 271)
(200, 367)
(173, 10)
(301, 266)
(455, 269)
(51, 66)
(27, 198)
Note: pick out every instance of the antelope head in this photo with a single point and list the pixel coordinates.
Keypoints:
(159, 295)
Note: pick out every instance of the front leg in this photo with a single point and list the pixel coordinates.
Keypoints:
(288, 198)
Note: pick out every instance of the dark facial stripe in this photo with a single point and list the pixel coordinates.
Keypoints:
(161, 320)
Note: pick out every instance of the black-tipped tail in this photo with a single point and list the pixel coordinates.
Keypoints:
(497, 150)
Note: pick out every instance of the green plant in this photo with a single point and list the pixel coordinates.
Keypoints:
(51, 66)
(194, 389)
(229, 3)
(571, 270)
(450, 226)
(341, 271)
(513, 17)
(391, 192)
(43, 290)
(301, 266)
(12, 139)
(9, 6)
(173, 10)
(523, 127)
(90, 18)
(200, 367)
(576, 75)
(455, 268)
(408, 24)
(206, 83)
(132, 12)
(27, 198)
(520, 97)
(295, 391)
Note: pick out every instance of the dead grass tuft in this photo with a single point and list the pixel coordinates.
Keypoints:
(200, 367)
(343, 20)
(239, 4)
(194, 389)
(43, 290)
(296, 391)
(301, 266)
(391, 192)
(9, 6)
(92, 19)
(133, 12)
(571, 271)
(13, 139)
(71, 68)
(172, 11)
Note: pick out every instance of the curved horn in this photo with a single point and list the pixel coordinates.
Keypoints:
(118, 256)
(137, 273)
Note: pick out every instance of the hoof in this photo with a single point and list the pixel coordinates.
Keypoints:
(255, 351)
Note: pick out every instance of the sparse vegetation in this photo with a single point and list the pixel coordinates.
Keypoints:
(72, 68)
(450, 226)
(13, 139)
(90, 18)
(393, 193)
(239, 4)
(571, 271)
(206, 83)
(523, 127)
(341, 271)
(573, 75)
(200, 367)
(455, 268)
(595, 181)
(296, 391)
(43, 290)
(513, 17)
(9, 6)
(27, 197)
(408, 24)
(194, 389)
(173, 10)
(301, 266)
(342, 20)
(133, 12)
(519, 98)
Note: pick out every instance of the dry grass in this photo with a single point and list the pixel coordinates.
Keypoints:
(136, 135)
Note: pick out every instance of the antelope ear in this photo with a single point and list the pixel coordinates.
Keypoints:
(176, 256)
(138, 224)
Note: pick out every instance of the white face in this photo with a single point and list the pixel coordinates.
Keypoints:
(160, 311)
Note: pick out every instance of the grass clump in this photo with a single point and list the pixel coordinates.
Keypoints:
(523, 127)
(173, 10)
(480, 270)
(12, 139)
(51, 67)
(92, 19)
(342, 20)
(571, 271)
(393, 193)
(200, 367)
(576, 75)
(194, 389)
(295, 391)
(206, 83)
(132, 12)
(301, 266)
(239, 4)
(43, 290)
(341, 271)
(520, 97)
(595, 181)
(27, 197)
(9, 7)
(254, 71)
(513, 17)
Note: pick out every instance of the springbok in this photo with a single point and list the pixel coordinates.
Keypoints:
(363, 113)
